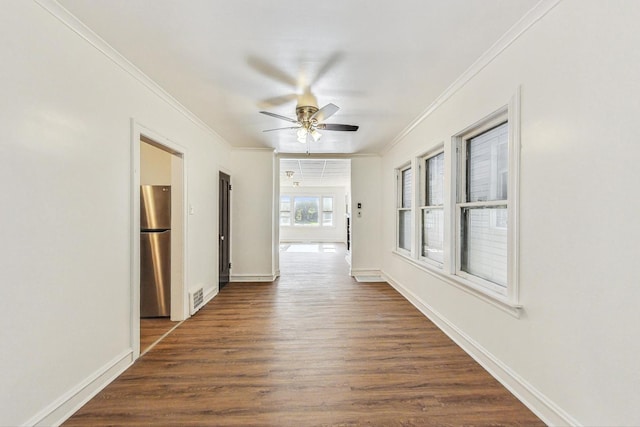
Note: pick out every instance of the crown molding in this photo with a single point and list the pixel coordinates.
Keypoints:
(330, 156)
(78, 27)
(269, 149)
(519, 28)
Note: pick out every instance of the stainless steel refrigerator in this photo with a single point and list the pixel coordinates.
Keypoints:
(155, 250)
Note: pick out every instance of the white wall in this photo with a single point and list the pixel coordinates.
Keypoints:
(335, 233)
(575, 347)
(365, 228)
(252, 213)
(65, 269)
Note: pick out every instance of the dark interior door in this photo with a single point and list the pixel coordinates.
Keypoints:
(224, 262)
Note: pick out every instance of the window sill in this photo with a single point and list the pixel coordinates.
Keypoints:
(467, 286)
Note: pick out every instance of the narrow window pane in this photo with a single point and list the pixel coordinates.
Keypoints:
(404, 229)
(327, 218)
(435, 180)
(487, 163)
(433, 234)
(285, 210)
(285, 204)
(406, 188)
(327, 204)
(485, 243)
(306, 210)
(285, 218)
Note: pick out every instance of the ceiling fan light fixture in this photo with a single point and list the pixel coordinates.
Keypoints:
(309, 119)
(315, 135)
(302, 134)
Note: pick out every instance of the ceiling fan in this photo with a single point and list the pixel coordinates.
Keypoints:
(310, 119)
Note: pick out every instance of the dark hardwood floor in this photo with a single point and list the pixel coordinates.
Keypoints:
(313, 348)
(152, 330)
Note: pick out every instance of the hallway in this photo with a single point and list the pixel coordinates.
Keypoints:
(312, 348)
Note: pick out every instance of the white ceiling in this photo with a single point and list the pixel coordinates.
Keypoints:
(315, 172)
(381, 62)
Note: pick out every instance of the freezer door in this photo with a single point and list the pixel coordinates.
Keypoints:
(155, 274)
(155, 207)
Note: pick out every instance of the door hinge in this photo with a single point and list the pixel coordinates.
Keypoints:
(229, 266)
(230, 187)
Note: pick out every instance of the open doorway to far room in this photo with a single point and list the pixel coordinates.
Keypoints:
(314, 216)
(158, 257)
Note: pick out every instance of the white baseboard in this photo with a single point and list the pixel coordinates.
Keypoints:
(367, 275)
(312, 241)
(365, 279)
(61, 409)
(550, 413)
(208, 296)
(252, 278)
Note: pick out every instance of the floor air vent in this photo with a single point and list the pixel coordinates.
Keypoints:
(196, 300)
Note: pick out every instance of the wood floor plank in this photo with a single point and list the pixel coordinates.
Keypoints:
(151, 330)
(313, 348)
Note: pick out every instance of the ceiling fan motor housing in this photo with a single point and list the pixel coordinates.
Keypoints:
(304, 114)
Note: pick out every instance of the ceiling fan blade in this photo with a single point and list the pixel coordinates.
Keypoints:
(325, 112)
(335, 126)
(292, 127)
(276, 101)
(330, 63)
(278, 116)
(267, 69)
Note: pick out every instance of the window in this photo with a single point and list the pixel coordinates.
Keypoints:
(404, 208)
(327, 211)
(482, 206)
(306, 211)
(462, 226)
(285, 210)
(432, 209)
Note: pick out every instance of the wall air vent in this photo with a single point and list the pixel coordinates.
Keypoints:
(196, 300)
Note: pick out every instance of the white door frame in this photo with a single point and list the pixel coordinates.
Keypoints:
(276, 196)
(179, 296)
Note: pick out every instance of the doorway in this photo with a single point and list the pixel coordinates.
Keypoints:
(157, 161)
(224, 240)
(314, 213)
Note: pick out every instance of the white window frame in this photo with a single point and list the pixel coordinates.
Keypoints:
(280, 210)
(321, 197)
(422, 171)
(400, 208)
(508, 295)
(323, 211)
(461, 142)
(449, 271)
